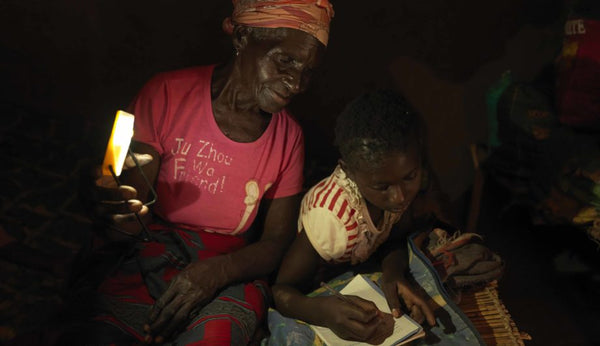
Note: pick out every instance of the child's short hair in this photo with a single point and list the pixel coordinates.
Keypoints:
(375, 124)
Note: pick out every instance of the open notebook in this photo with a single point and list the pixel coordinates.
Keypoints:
(405, 328)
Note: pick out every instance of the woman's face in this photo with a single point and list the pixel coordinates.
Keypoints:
(275, 70)
(394, 184)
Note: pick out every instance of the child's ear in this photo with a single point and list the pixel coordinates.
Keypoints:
(346, 169)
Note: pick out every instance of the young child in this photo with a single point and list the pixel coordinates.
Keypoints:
(377, 191)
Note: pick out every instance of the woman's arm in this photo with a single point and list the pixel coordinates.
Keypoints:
(198, 282)
(262, 257)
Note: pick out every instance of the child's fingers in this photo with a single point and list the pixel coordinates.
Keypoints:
(385, 328)
(361, 310)
(391, 295)
(416, 314)
(425, 309)
(362, 331)
(412, 298)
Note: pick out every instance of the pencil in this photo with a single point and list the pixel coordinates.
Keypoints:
(336, 293)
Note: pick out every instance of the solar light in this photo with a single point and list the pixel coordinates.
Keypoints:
(114, 158)
(118, 144)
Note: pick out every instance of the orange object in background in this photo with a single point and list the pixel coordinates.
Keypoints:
(118, 144)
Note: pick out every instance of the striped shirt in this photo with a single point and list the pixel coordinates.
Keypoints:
(335, 219)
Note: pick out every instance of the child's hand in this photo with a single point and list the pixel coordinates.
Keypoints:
(357, 320)
(396, 288)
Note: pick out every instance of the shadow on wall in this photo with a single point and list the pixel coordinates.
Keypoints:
(442, 56)
(455, 109)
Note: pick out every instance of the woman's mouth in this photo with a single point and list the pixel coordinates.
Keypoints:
(279, 98)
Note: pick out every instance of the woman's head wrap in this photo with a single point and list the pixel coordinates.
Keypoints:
(310, 16)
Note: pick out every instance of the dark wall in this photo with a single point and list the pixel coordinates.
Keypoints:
(85, 59)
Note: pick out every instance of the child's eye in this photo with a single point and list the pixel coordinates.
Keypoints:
(411, 176)
(381, 187)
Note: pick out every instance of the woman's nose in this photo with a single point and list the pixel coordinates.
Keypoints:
(293, 81)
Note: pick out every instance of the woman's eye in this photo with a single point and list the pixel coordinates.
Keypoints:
(284, 59)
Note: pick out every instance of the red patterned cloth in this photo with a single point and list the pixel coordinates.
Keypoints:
(127, 296)
(310, 16)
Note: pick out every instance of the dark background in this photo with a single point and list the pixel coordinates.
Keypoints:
(85, 60)
(68, 65)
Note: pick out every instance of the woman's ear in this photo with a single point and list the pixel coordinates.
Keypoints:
(241, 35)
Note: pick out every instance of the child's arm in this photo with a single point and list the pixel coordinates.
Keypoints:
(357, 320)
(396, 286)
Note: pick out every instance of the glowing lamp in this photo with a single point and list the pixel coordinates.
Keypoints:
(118, 144)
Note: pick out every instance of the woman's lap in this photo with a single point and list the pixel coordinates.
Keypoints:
(127, 296)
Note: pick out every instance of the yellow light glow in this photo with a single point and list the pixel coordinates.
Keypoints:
(118, 144)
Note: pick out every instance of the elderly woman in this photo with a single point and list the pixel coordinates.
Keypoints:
(225, 157)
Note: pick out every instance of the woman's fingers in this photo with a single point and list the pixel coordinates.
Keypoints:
(120, 193)
(161, 304)
(129, 217)
(142, 159)
(120, 211)
(177, 322)
(116, 201)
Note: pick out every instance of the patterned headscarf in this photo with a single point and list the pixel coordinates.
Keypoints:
(310, 16)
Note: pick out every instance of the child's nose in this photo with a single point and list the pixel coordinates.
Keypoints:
(397, 195)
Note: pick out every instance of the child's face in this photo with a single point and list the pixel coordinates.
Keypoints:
(394, 184)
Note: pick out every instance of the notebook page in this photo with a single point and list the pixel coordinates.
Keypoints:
(404, 327)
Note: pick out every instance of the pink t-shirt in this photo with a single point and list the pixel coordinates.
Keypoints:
(206, 180)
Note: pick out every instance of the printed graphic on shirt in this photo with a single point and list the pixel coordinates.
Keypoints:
(202, 160)
(250, 201)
